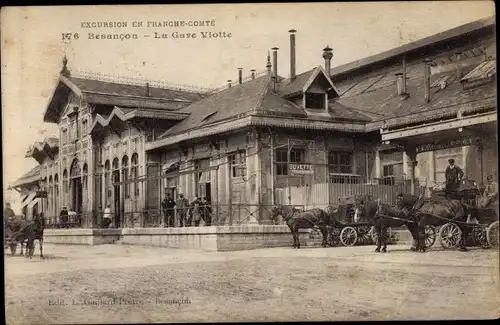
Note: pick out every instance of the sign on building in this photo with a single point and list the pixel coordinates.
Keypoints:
(446, 145)
(301, 169)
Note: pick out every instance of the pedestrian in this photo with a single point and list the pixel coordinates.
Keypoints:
(182, 207)
(106, 220)
(453, 176)
(63, 217)
(168, 206)
(195, 211)
(72, 216)
(207, 211)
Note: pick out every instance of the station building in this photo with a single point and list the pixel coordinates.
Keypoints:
(384, 124)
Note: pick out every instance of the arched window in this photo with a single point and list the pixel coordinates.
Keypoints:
(45, 200)
(65, 187)
(125, 176)
(85, 181)
(56, 194)
(50, 193)
(116, 171)
(134, 172)
(107, 191)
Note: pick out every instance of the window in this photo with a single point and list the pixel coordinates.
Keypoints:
(296, 156)
(65, 186)
(85, 175)
(238, 163)
(106, 181)
(84, 127)
(391, 173)
(125, 176)
(340, 162)
(315, 101)
(64, 136)
(134, 172)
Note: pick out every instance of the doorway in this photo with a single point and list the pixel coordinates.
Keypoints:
(77, 190)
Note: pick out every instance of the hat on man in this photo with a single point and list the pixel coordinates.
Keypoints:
(451, 161)
(489, 178)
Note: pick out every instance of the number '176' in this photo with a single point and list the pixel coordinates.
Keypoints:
(69, 36)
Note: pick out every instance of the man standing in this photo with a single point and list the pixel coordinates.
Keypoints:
(490, 194)
(106, 220)
(453, 175)
(168, 206)
(63, 217)
(182, 206)
(8, 214)
(195, 211)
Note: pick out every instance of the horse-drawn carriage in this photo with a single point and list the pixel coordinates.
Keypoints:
(349, 228)
(10, 234)
(483, 231)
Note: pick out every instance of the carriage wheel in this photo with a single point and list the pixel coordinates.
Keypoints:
(450, 235)
(364, 235)
(492, 234)
(374, 235)
(333, 238)
(430, 236)
(479, 236)
(348, 236)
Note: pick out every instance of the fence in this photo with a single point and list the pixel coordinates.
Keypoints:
(323, 194)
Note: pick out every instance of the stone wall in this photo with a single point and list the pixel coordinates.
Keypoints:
(85, 236)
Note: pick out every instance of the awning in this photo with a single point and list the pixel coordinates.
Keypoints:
(29, 198)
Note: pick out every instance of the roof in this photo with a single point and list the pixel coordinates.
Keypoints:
(484, 70)
(49, 144)
(417, 45)
(388, 104)
(112, 93)
(124, 114)
(32, 176)
(290, 87)
(237, 100)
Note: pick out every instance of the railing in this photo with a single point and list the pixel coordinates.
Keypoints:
(73, 221)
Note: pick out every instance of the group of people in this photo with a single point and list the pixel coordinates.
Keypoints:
(188, 214)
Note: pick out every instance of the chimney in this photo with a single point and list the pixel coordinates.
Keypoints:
(327, 55)
(404, 76)
(427, 79)
(458, 65)
(275, 62)
(292, 53)
(229, 83)
(268, 64)
(240, 75)
(400, 83)
(253, 73)
(148, 90)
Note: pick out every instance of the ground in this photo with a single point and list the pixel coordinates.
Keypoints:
(126, 284)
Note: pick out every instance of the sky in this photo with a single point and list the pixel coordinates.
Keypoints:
(32, 49)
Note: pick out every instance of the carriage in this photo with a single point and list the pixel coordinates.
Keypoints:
(9, 235)
(347, 230)
(483, 233)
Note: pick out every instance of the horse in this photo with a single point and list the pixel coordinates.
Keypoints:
(366, 209)
(439, 212)
(30, 231)
(14, 226)
(389, 216)
(296, 219)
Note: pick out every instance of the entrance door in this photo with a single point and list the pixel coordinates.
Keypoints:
(77, 195)
(117, 201)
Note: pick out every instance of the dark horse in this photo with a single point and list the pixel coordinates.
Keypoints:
(438, 212)
(388, 216)
(31, 231)
(370, 210)
(296, 219)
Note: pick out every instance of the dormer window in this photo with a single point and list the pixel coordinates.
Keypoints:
(316, 101)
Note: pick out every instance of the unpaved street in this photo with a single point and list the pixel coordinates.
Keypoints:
(117, 283)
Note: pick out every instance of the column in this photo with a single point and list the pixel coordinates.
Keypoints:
(405, 166)
(377, 164)
(465, 150)
(412, 155)
(432, 168)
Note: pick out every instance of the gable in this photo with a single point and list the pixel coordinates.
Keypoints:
(58, 102)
